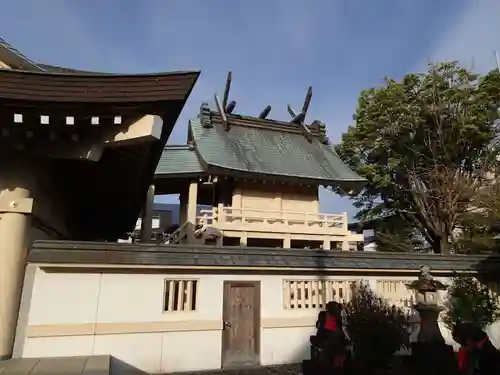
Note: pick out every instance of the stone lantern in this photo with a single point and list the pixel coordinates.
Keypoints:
(428, 305)
(430, 342)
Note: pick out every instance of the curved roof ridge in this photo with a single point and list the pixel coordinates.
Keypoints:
(89, 74)
(65, 87)
(14, 53)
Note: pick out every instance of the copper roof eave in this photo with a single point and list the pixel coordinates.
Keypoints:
(223, 171)
(95, 88)
(179, 175)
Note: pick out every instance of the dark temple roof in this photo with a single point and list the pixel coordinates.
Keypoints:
(261, 148)
(229, 258)
(15, 59)
(110, 89)
(123, 173)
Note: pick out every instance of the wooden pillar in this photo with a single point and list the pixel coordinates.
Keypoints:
(192, 202)
(183, 207)
(147, 215)
(15, 214)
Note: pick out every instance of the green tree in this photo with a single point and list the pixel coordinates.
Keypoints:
(481, 227)
(469, 300)
(426, 145)
(370, 317)
(392, 234)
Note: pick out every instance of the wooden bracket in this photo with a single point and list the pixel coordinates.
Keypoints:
(299, 118)
(230, 107)
(222, 113)
(20, 206)
(226, 90)
(307, 100)
(265, 112)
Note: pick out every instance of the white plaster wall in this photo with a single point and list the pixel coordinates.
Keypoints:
(70, 298)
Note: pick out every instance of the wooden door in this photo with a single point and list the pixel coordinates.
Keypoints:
(241, 314)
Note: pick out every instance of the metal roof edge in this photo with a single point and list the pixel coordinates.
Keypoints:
(309, 179)
(105, 75)
(138, 247)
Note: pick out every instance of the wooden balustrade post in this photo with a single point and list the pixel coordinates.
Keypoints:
(215, 215)
(287, 242)
(220, 213)
(326, 244)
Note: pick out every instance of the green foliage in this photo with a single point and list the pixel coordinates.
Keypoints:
(469, 300)
(377, 329)
(480, 228)
(393, 234)
(424, 144)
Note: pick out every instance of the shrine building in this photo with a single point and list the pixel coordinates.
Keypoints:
(74, 145)
(259, 179)
(239, 282)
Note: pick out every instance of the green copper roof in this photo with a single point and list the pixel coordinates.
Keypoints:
(267, 147)
(179, 161)
(252, 147)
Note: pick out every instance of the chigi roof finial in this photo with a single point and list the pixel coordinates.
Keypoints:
(224, 108)
(300, 117)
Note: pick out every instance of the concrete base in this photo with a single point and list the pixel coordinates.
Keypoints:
(84, 365)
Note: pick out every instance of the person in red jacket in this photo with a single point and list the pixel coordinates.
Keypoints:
(331, 333)
(477, 355)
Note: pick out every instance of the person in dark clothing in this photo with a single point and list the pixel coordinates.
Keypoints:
(477, 354)
(330, 335)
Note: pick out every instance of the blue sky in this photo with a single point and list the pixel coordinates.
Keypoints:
(275, 48)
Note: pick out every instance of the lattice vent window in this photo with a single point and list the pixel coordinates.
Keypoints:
(396, 292)
(180, 295)
(315, 294)
(495, 290)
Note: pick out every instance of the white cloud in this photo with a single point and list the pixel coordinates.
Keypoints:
(470, 39)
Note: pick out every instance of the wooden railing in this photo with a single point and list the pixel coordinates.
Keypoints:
(207, 217)
(177, 236)
(290, 219)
